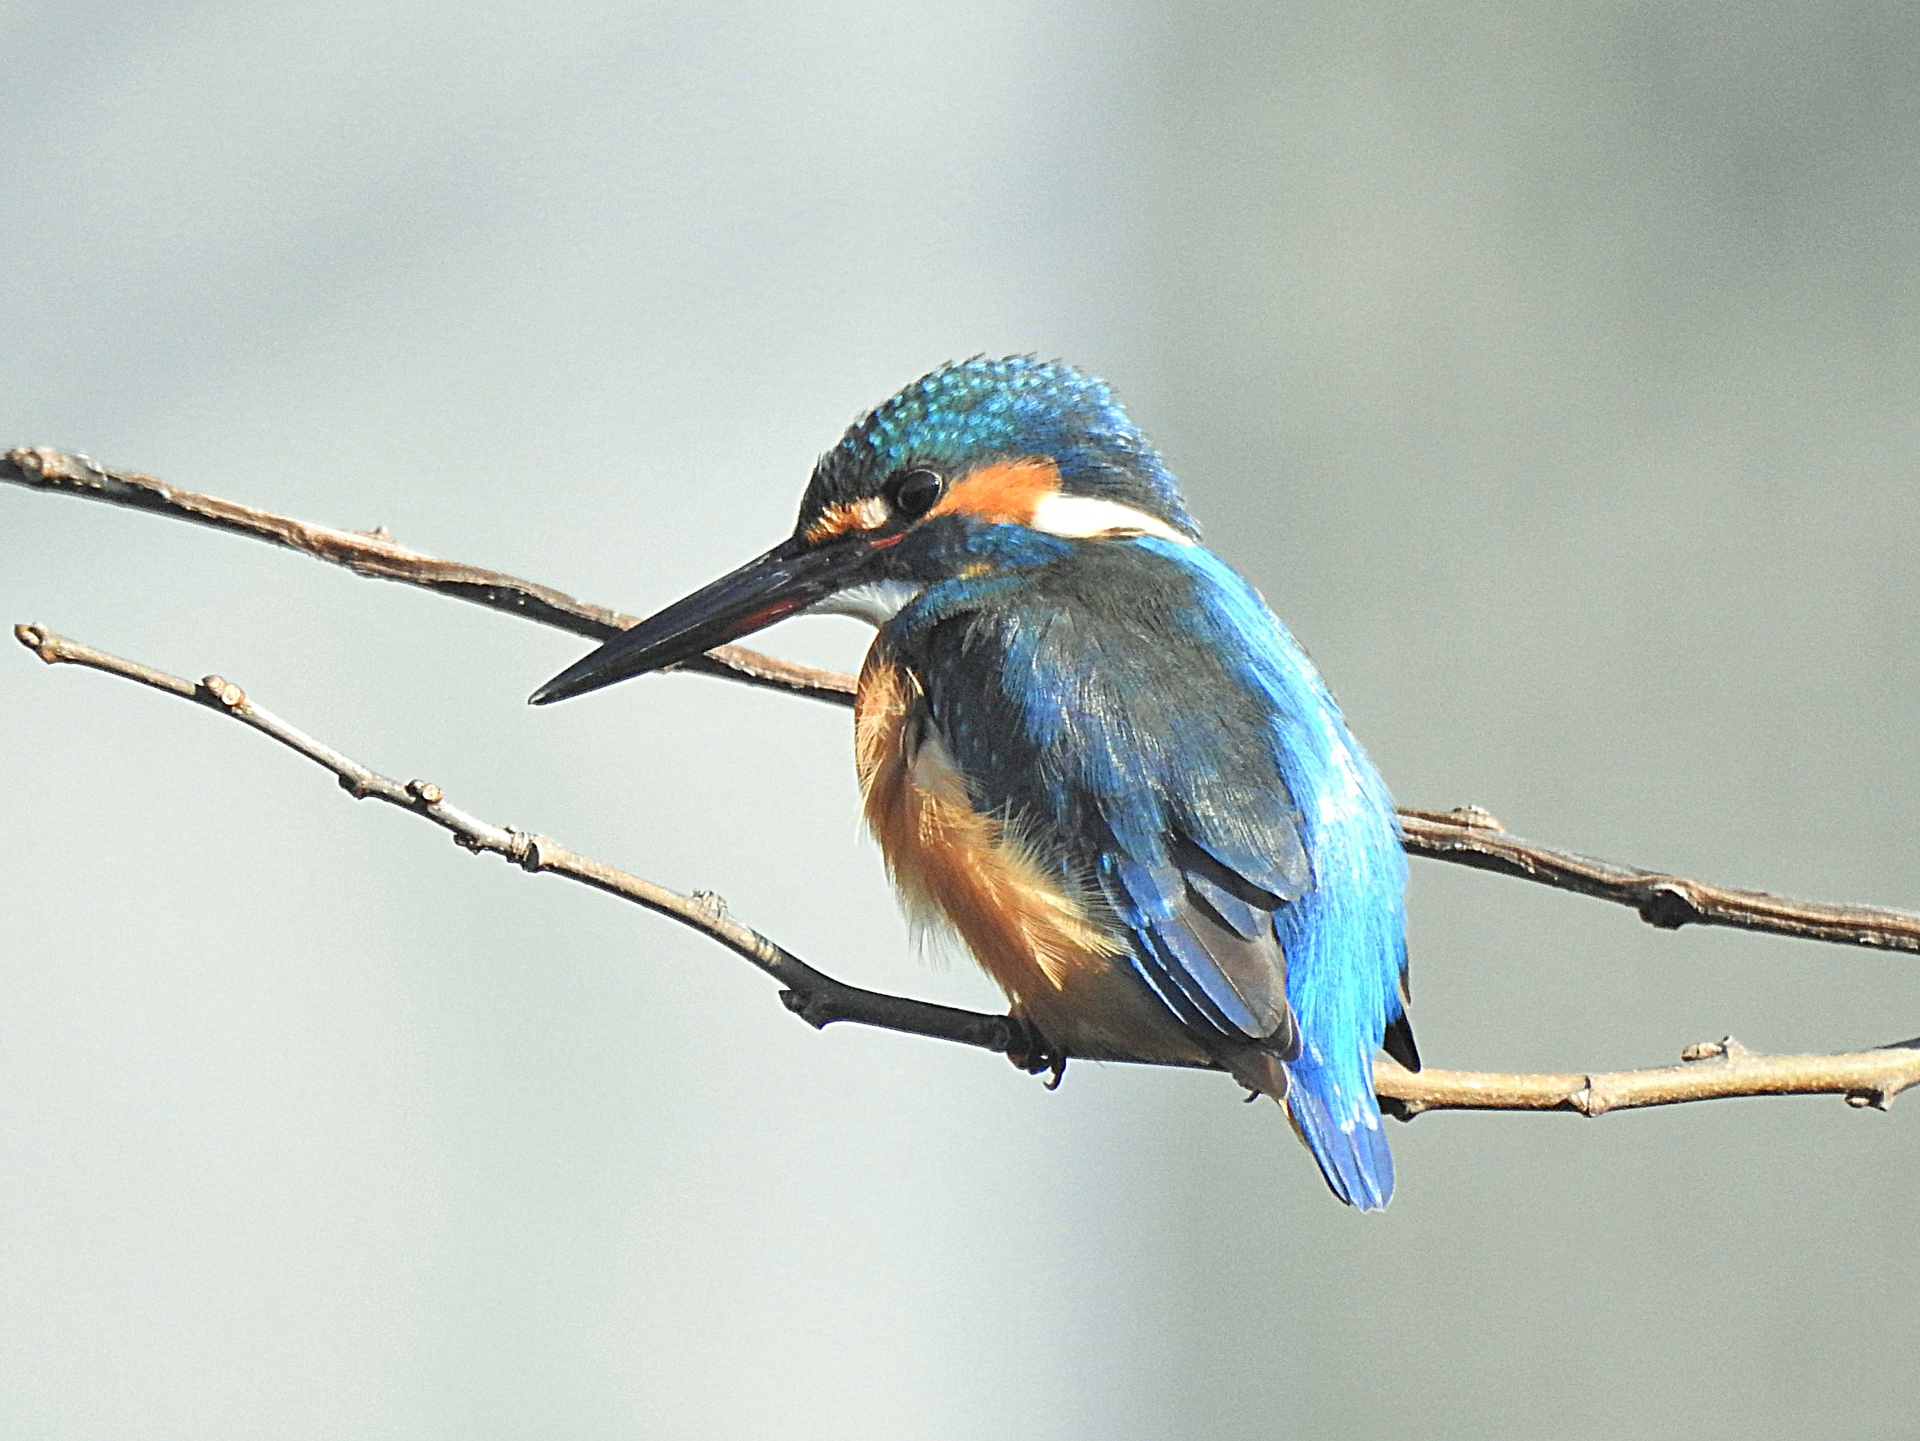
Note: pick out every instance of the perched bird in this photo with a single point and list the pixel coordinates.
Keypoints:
(1088, 745)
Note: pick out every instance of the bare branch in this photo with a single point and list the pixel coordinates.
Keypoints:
(814, 995)
(1471, 837)
(378, 555)
(1710, 1070)
(1467, 836)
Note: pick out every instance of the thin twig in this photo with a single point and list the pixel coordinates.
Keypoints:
(1710, 1070)
(1467, 836)
(813, 995)
(1471, 837)
(378, 555)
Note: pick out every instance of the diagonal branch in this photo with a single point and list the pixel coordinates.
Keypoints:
(378, 555)
(1708, 1071)
(814, 995)
(1467, 836)
(1470, 837)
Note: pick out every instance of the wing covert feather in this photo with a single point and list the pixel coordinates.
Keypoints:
(1132, 753)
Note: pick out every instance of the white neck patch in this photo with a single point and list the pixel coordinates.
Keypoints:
(1081, 517)
(876, 602)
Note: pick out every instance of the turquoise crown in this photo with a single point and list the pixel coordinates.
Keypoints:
(980, 411)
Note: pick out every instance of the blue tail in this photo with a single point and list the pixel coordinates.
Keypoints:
(1352, 1153)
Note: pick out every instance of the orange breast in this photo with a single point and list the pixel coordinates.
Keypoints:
(952, 863)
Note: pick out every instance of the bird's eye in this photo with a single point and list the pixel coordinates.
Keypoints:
(915, 492)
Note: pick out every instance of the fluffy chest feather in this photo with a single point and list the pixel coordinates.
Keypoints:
(950, 862)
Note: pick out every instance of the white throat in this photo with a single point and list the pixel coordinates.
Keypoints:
(876, 602)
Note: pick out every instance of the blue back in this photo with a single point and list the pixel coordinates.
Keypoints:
(1345, 938)
(1137, 714)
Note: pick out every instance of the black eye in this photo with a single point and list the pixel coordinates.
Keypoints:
(914, 493)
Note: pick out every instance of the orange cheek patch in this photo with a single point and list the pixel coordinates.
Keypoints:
(1003, 494)
(868, 514)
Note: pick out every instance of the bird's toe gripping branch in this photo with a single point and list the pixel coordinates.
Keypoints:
(1032, 1052)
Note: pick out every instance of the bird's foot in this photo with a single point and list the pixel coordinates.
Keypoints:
(1033, 1052)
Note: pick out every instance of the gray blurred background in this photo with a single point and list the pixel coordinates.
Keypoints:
(1556, 373)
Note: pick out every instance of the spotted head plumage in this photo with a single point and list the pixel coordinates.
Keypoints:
(982, 414)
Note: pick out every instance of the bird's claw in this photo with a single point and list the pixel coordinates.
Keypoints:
(1034, 1053)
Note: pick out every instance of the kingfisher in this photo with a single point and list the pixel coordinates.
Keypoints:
(1086, 745)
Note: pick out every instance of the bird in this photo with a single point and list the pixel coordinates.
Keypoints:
(1087, 745)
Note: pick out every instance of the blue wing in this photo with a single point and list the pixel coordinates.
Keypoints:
(1143, 768)
(1204, 940)
(1138, 712)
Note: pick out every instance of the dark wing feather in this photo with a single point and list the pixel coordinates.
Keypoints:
(1234, 985)
(1398, 1042)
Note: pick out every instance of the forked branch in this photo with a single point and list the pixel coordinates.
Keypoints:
(1467, 836)
(1708, 1071)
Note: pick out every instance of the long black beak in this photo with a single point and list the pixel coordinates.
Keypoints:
(788, 578)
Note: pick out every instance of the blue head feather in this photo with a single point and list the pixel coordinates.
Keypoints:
(980, 411)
